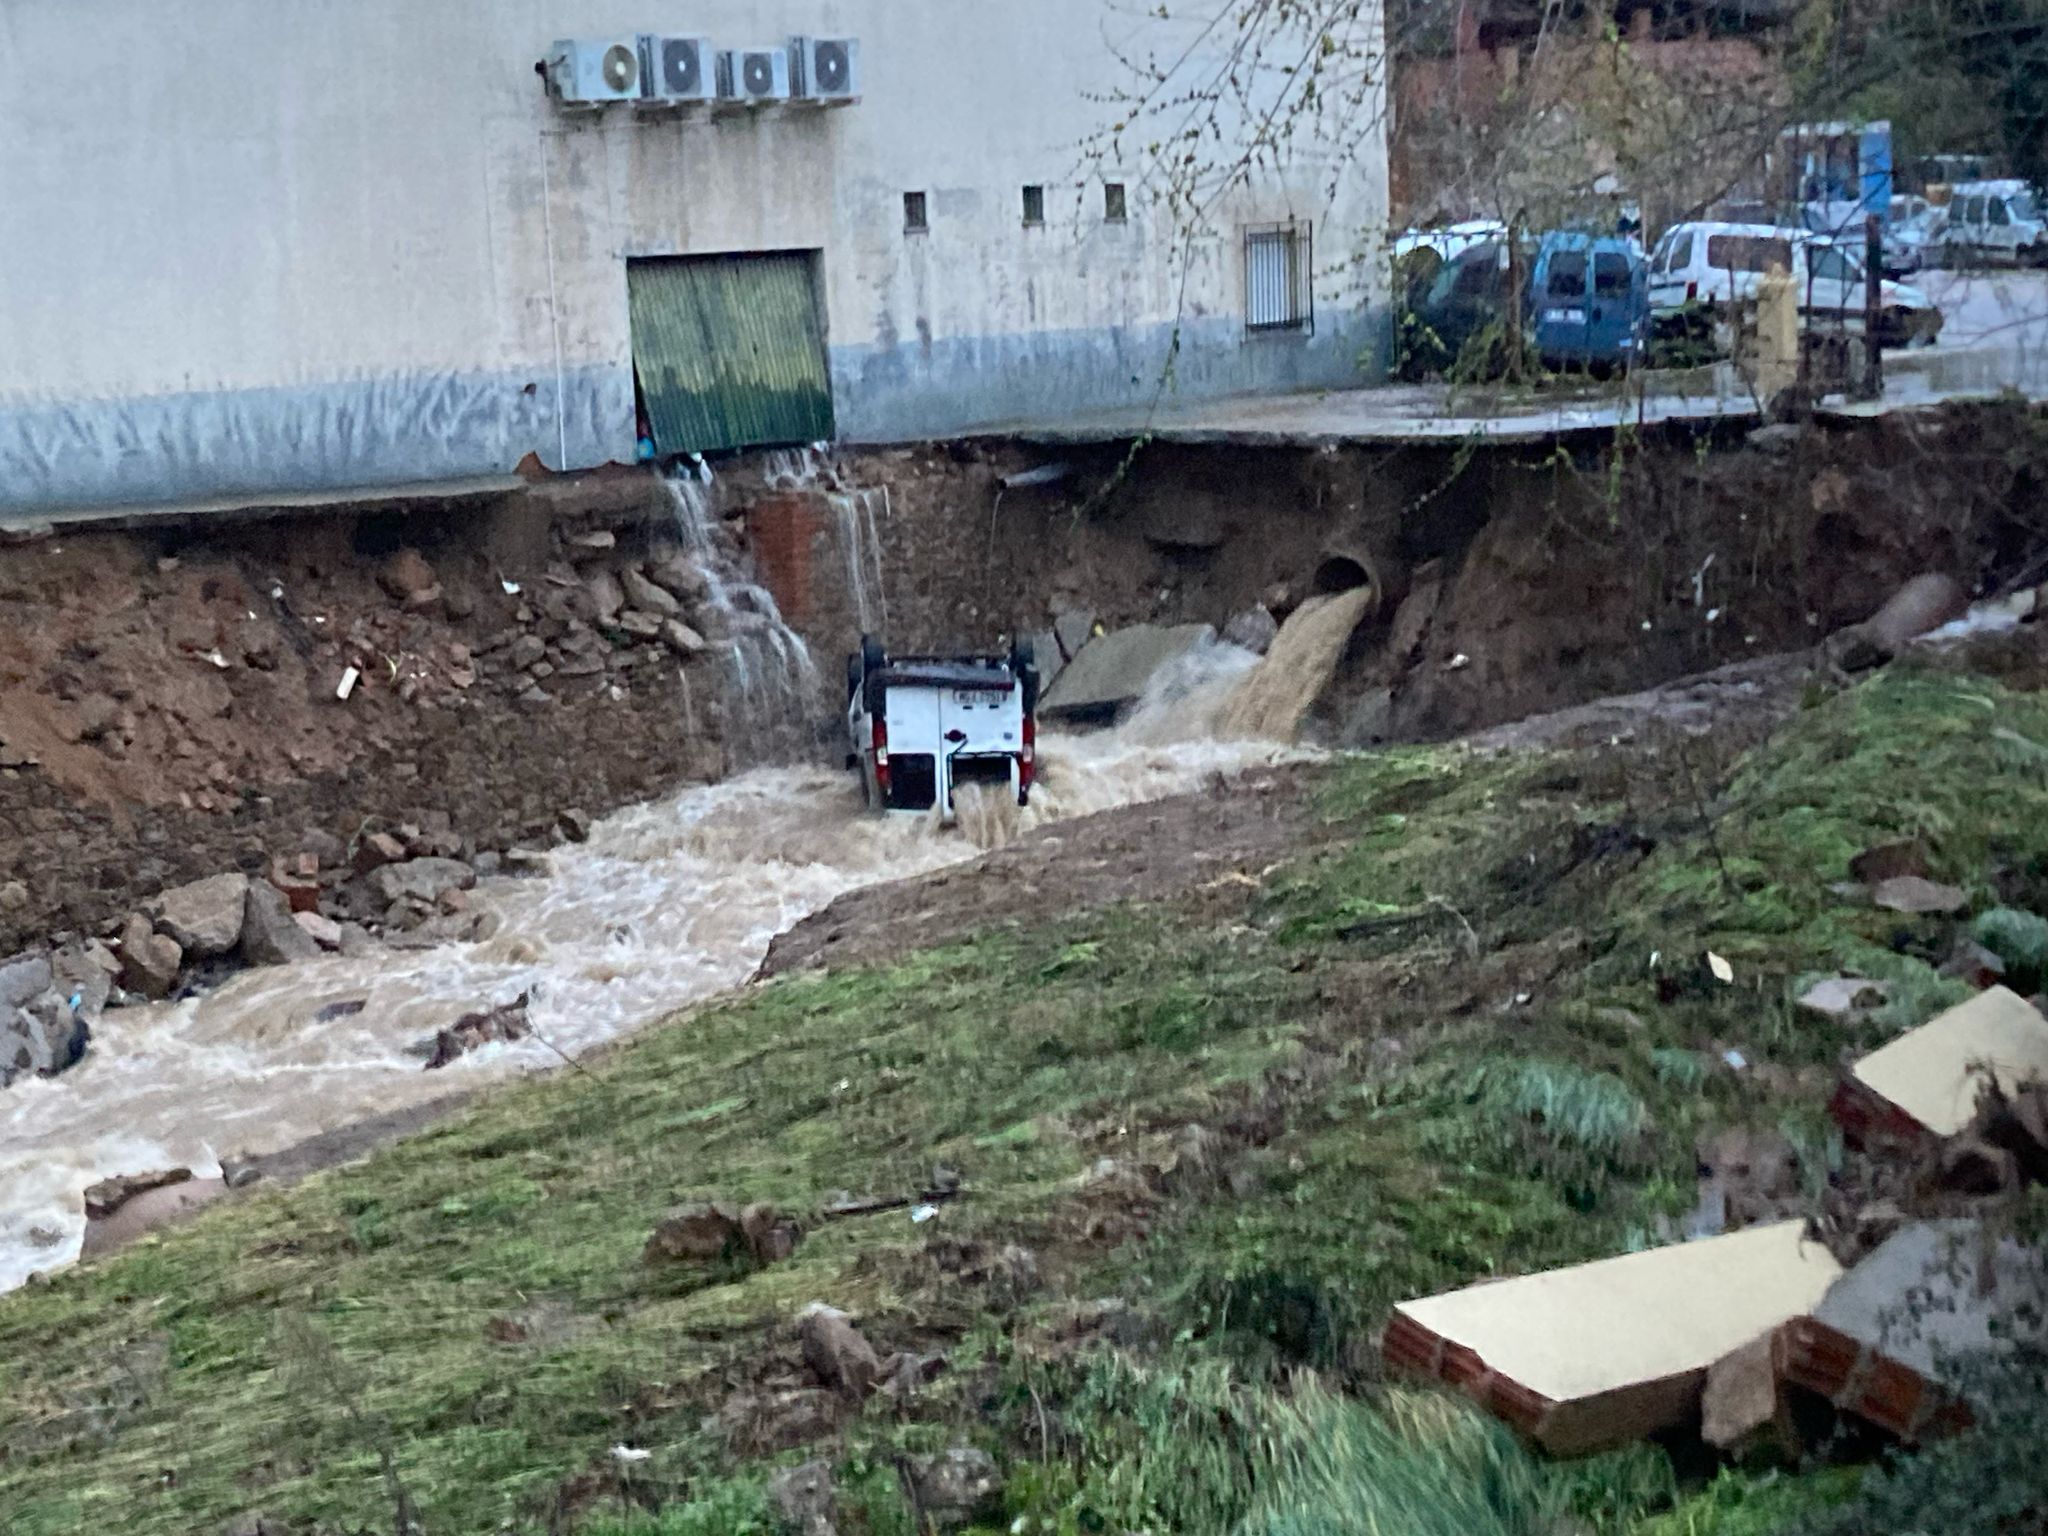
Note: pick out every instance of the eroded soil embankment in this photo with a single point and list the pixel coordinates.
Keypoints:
(1517, 580)
(167, 700)
(169, 709)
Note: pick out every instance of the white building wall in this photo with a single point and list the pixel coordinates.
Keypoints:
(283, 245)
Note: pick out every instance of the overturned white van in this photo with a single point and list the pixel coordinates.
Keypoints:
(922, 727)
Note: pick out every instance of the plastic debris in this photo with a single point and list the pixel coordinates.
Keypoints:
(347, 685)
(1723, 971)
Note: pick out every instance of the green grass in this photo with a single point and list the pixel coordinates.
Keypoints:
(1474, 1037)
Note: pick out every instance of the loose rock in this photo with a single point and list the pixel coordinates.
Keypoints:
(109, 1195)
(837, 1352)
(376, 849)
(956, 1486)
(475, 1029)
(407, 577)
(675, 574)
(1912, 894)
(574, 825)
(149, 960)
(647, 596)
(270, 935)
(205, 917)
(682, 639)
(22, 979)
(803, 1499)
(421, 880)
(770, 1237)
(1840, 996)
(696, 1234)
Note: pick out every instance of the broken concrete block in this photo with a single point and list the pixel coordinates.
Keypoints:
(1840, 996)
(1892, 1340)
(1917, 896)
(1740, 1397)
(1073, 629)
(1928, 1080)
(1599, 1354)
(1112, 670)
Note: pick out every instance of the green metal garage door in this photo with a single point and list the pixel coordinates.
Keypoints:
(730, 351)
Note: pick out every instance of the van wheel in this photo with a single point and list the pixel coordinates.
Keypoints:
(873, 662)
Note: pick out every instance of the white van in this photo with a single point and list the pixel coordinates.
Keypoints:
(919, 727)
(1994, 223)
(1698, 269)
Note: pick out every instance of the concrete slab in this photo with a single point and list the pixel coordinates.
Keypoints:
(1599, 1354)
(1893, 1339)
(1927, 1080)
(273, 504)
(1112, 670)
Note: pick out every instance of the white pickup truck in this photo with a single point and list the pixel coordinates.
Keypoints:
(919, 727)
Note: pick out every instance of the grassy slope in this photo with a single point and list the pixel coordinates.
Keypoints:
(1480, 1079)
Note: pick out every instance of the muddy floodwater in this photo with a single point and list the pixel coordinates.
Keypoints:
(668, 903)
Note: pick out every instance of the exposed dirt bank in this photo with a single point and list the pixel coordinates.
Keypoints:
(169, 709)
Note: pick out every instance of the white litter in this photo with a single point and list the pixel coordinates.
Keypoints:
(1723, 971)
(923, 1213)
(511, 587)
(1458, 663)
(1735, 1059)
(347, 685)
(217, 659)
(630, 1453)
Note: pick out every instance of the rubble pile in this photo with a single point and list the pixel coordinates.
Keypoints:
(1878, 1305)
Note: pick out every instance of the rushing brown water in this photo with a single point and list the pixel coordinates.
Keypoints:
(1273, 697)
(669, 903)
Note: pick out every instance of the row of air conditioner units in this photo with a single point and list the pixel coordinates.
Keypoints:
(652, 71)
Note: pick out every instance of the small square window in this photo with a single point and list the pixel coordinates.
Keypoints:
(915, 219)
(1034, 205)
(1113, 207)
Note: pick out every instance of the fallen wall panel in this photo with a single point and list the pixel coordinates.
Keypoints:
(1596, 1355)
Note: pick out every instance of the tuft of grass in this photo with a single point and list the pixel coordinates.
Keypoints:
(2018, 938)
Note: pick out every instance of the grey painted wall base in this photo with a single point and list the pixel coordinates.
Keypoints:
(173, 449)
(909, 392)
(178, 449)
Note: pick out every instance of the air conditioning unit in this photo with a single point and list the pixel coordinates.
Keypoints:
(590, 73)
(827, 70)
(678, 71)
(754, 76)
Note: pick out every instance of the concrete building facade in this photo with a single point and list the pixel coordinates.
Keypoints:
(270, 246)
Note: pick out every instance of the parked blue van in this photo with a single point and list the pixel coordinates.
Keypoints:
(1589, 301)
(1585, 301)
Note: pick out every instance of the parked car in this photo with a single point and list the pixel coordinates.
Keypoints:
(1699, 270)
(919, 727)
(1912, 235)
(1420, 254)
(1585, 303)
(1994, 223)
